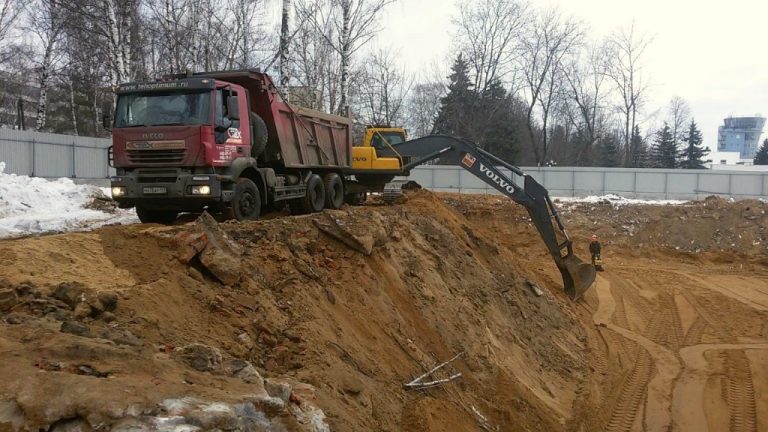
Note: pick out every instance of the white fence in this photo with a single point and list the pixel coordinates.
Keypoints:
(641, 183)
(51, 155)
(83, 158)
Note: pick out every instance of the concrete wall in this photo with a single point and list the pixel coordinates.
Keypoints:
(85, 160)
(627, 182)
(51, 155)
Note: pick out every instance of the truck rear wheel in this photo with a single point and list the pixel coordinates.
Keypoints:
(314, 198)
(334, 191)
(165, 217)
(246, 202)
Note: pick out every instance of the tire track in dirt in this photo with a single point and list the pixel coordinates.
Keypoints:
(740, 392)
(642, 384)
(688, 402)
(694, 334)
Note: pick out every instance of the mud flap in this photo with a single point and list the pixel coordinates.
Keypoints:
(578, 276)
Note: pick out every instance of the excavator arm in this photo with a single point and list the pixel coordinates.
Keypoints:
(577, 275)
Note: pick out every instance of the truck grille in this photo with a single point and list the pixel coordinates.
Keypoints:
(157, 176)
(159, 157)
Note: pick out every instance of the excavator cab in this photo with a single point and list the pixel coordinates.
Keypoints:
(378, 139)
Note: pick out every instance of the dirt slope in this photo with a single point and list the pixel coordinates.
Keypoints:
(261, 325)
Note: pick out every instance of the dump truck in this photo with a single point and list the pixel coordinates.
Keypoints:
(227, 142)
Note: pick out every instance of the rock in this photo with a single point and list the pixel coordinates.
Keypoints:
(70, 293)
(58, 314)
(75, 328)
(8, 299)
(225, 267)
(108, 317)
(83, 310)
(25, 289)
(244, 370)
(352, 385)
(71, 425)
(121, 337)
(190, 245)
(214, 417)
(278, 389)
(245, 340)
(271, 406)
(200, 357)
(16, 318)
(108, 300)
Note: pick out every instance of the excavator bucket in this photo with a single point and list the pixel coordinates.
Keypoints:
(578, 276)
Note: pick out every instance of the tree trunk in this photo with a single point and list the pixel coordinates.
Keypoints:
(346, 6)
(285, 46)
(72, 105)
(42, 102)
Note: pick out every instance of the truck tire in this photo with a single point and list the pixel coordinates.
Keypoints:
(334, 191)
(165, 217)
(259, 135)
(314, 198)
(246, 201)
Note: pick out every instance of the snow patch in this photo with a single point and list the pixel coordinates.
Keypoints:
(33, 205)
(616, 200)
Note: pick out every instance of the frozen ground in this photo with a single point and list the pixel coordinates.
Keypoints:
(33, 205)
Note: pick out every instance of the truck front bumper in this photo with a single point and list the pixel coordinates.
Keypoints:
(189, 192)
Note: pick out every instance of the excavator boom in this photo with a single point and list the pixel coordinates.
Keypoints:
(577, 275)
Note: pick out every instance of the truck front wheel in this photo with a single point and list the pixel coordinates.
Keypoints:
(246, 202)
(165, 217)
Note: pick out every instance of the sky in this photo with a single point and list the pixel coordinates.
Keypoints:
(711, 53)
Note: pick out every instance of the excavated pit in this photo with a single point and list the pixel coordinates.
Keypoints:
(318, 322)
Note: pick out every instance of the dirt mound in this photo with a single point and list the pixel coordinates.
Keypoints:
(159, 327)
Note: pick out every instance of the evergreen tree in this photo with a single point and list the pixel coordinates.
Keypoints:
(664, 151)
(609, 155)
(692, 154)
(494, 123)
(761, 157)
(457, 108)
(638, 151)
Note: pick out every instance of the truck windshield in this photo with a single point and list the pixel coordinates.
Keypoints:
(163, 108)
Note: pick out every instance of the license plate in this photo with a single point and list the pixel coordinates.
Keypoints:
(156, 190)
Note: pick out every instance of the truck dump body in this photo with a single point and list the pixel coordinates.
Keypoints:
(298, 137)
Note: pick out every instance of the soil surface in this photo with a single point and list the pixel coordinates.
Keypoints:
(334, 321)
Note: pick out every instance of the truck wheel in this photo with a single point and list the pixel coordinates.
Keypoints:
(259, 135)
(246, 202)
(313, 200)
(334, 191)
(165, 217)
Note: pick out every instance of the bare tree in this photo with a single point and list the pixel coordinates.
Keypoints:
(285, 40)
(487, 32)
(679, 113)
(45, 21)
(549, 40)
(354, 24)
(626, 49)
(382, 90)
(586, 81)
(9, 11)
(422, 106)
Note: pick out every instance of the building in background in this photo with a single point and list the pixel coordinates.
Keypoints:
(740, 134)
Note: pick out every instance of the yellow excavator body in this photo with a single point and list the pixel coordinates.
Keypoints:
(364, 156)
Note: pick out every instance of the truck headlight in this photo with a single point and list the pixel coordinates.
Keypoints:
(201, 190)
(118, 191)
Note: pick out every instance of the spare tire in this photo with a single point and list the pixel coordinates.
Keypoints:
(259, 135)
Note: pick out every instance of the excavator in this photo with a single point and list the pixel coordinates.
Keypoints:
(386, 152)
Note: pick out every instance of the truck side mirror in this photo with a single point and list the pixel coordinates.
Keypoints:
(233, 109)
(106, 121)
